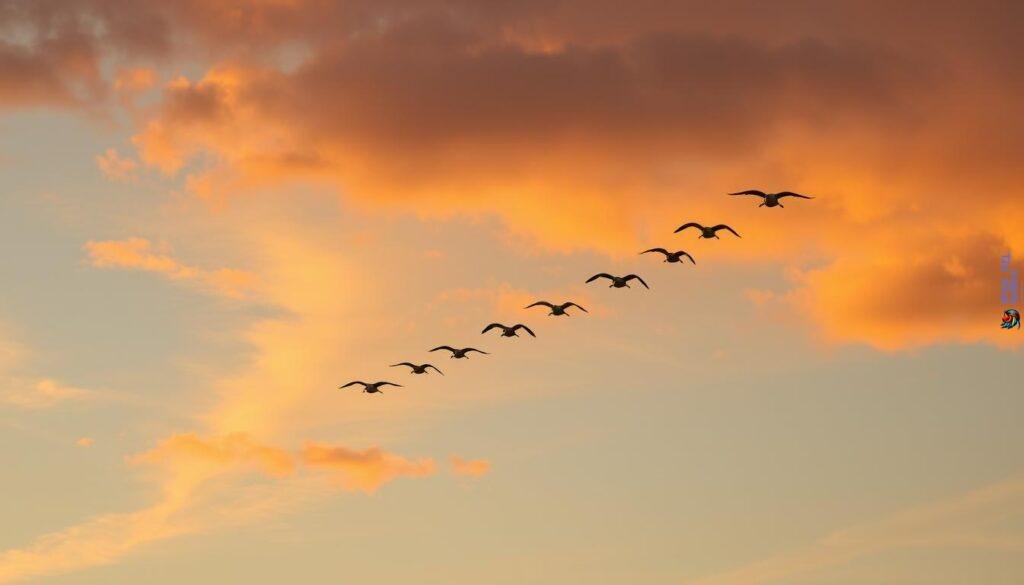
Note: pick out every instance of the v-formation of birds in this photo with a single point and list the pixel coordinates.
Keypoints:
(562, 309)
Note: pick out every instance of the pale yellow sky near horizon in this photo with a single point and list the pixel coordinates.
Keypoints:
(213, 214)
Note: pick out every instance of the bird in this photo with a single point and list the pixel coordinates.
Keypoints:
(420, 369)
(370, 388)
(771, 199)
(618, 281)
(672, 257)
(557, 309)
(707, 232)
(509, 331)
(459, 353)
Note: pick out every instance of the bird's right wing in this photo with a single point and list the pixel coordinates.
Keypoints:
(492, 326)
(688, 225)
(662, 250)
(447, 347)
(403, 364)
(750, 192)
(352, 384)
(601, 275)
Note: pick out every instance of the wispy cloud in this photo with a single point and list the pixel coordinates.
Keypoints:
(42, 393)
(141, 254)
(470, 467)
(966, 521)
(116, 167)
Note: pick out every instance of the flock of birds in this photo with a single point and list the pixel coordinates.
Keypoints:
(557, 310)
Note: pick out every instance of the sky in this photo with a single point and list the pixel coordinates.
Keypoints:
(213, 214)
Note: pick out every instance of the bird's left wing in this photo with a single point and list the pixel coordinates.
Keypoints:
(524, 328)
(634, 276)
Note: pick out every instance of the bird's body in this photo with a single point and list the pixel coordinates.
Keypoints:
(771, 199)
(618, 281)
(458, 353)
(707, 232)
(370, 388)
(557, 309)
(418, 369)
(671, 257)
(509, 331)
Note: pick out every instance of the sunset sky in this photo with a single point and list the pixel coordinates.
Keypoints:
(212, 214)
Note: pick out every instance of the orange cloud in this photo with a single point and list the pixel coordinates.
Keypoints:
(944, 291)
(470, 467)
(138, 254)
(365, 470)
(134, 79)
(600, 133)
(233, 449)
(115, 167)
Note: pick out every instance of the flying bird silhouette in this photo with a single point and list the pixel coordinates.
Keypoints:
(707, 232)
(370, 388)
(459, 353)
(771, 199)
(420, 369)
(509, 331)
(672, 257)
(618, 281)
(557, 309)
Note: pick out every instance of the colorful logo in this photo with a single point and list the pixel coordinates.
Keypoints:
(1011, 319)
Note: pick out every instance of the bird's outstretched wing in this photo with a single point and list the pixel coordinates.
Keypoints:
(544, 303)
(524, 328)
(447, 347)
(632, 276)
(432, 366)
(572, 304)
(492, 326)
(469, 349)
(601, 275)
(722, 226)
(688, 225)
(782, 194)
(662, 250)
(413, 366)
(750, 192)
(681, 253)
(379, 384)
(353, 384)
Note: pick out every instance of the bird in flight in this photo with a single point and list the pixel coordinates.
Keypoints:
(771, 199)
(370, 388)
(672, 257)
(459, 353)
(420, 369)
(509, 331)
(618, 281)
(557, 309)
(707, 232)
